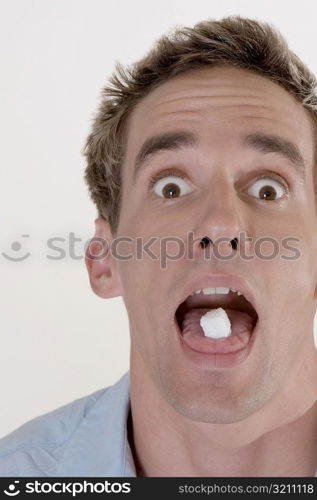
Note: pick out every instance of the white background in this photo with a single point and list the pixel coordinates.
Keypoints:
(59, 341)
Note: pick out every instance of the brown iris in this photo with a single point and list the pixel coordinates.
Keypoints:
(171, 190)
(267, 193)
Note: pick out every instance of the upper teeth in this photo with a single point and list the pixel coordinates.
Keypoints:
(217, 290)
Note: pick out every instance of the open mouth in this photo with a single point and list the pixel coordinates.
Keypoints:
(241, 313)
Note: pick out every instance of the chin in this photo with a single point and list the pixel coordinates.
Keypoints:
(217, 399)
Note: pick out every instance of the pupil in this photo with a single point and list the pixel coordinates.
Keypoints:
(171, 190)
(268, 193)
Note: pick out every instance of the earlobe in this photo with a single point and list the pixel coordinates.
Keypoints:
(101, 266)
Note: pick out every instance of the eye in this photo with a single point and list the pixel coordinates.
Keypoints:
(169, 185)
(267, 188)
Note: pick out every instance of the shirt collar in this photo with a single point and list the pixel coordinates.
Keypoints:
(99, 446)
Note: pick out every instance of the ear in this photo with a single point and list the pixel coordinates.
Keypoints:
(102, 269)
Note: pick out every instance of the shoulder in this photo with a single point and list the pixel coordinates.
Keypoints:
(36, 448)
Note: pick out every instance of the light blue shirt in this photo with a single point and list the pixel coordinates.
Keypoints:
(87, 437)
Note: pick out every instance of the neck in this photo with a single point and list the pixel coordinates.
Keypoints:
(279, 440)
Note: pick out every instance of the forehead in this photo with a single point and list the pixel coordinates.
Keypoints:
(219, 103)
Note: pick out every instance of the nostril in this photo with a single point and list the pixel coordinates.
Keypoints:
(204, 242)
(234, 243)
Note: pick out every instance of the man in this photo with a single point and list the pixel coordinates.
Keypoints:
(212, 134)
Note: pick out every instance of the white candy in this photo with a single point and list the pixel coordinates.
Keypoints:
(216, 323)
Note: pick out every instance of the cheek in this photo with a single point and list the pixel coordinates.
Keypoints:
(290, 310)
(142, 284)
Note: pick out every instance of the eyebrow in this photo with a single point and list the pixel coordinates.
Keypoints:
(166, 141)
(179, 139)
(275, 144)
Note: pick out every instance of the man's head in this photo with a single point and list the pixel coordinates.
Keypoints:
(232, 113)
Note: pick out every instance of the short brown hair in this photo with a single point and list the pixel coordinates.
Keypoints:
(236, 41)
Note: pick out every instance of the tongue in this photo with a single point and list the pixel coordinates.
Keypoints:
(193, 334)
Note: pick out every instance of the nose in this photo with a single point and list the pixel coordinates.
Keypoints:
(221, 225)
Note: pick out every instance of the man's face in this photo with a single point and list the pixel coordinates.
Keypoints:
(220, 195)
